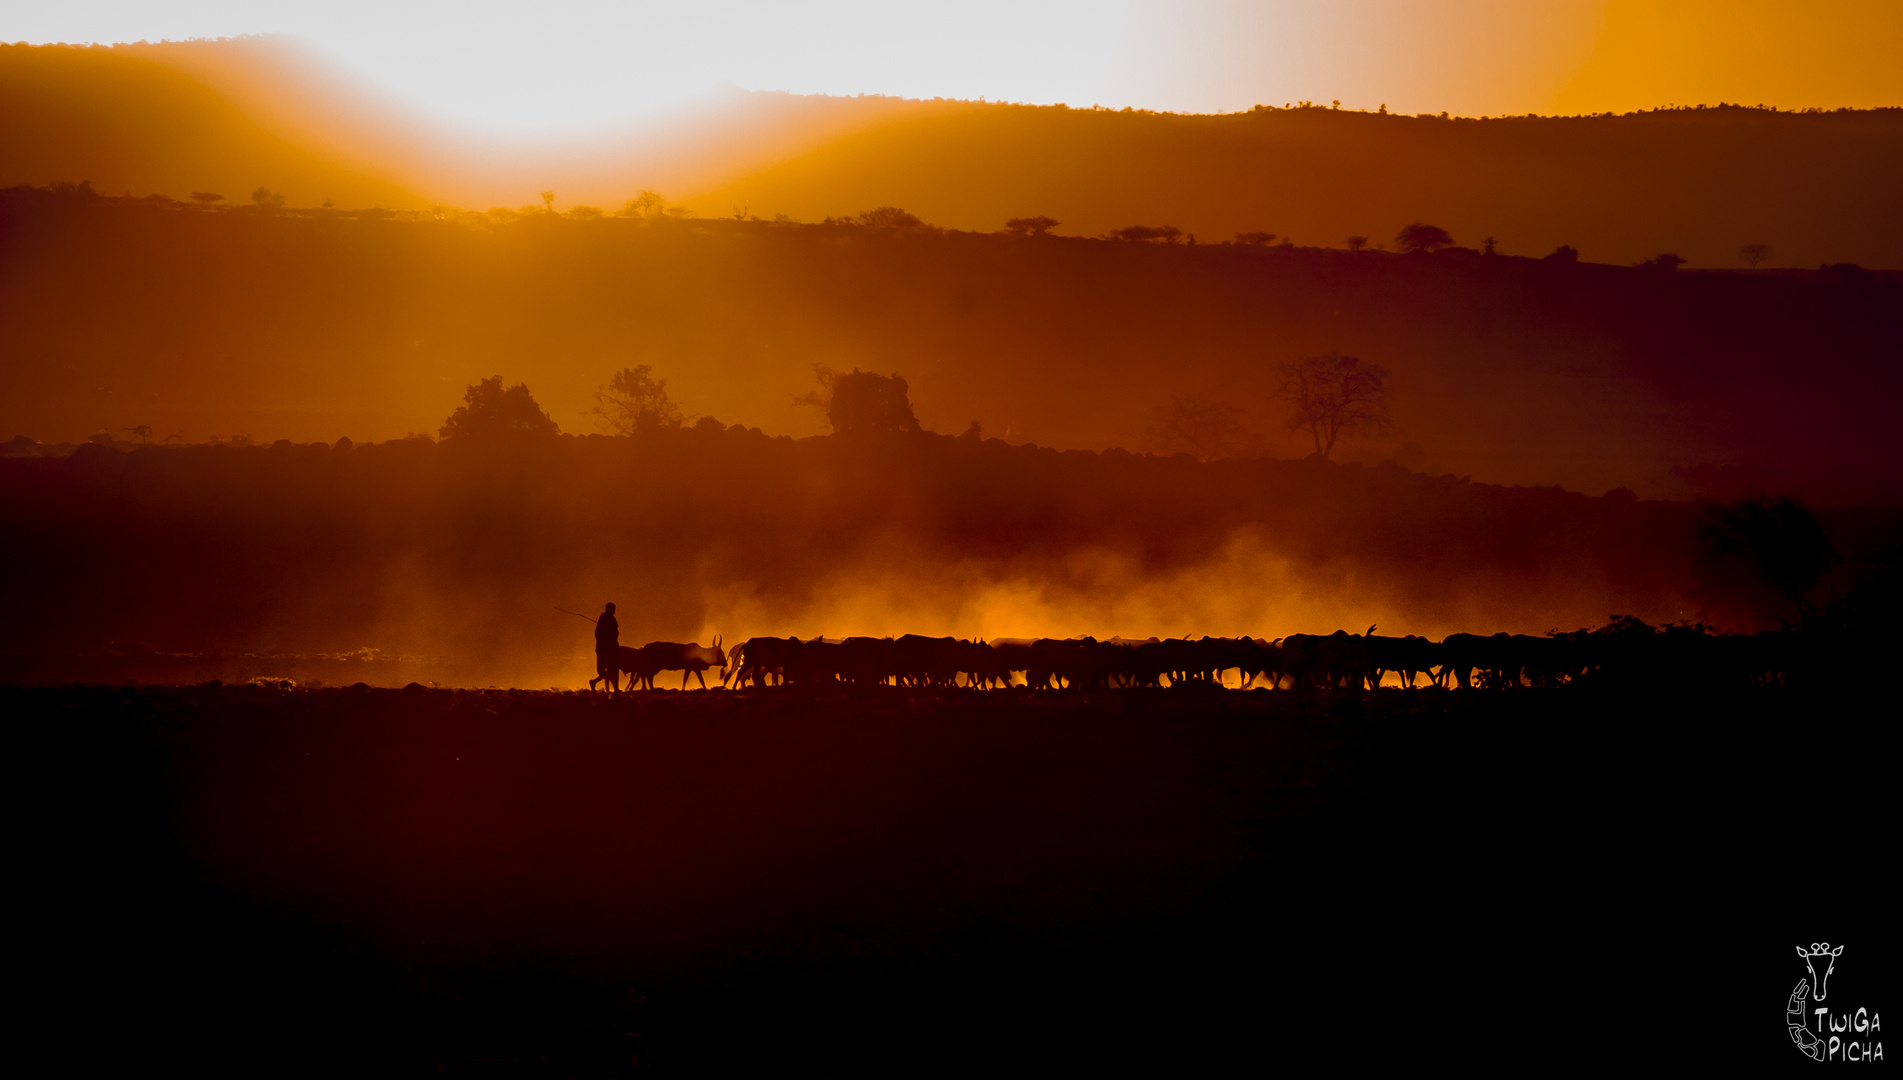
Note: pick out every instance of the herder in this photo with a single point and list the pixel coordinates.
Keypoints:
(608, 648)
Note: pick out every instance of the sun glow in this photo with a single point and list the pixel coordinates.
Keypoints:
(584, 64)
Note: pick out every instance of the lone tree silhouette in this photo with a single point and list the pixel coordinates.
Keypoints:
(1753, 254)
(859, 402)
(648, 205)
(1333, 395)
(1032, 226)
(1780, 535)
(267, 199)
(890, 217)
(1422, 238)
(493, 413)
(635, 401)
(1356, 243)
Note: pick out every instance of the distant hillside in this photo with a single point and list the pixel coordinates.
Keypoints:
(129, 124)
(116, 313)
(1701, 183)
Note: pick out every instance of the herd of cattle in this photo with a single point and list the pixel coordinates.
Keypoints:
(1298, 661)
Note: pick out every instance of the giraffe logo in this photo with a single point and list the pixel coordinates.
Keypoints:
(1822, 960)
(1818, 955)
(1823, 1033)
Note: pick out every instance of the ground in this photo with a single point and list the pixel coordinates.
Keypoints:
(327, 881)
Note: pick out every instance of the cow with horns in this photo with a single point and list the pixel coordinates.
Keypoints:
(689, 658)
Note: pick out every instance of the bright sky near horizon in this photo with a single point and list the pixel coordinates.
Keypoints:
(578, 63)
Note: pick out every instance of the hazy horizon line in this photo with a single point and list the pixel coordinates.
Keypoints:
(447, 123)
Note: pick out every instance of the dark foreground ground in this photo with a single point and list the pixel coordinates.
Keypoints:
(360, 881)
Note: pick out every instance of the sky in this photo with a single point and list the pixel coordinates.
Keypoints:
(575, 64)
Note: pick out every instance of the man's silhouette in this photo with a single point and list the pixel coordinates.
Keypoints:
(607, 648)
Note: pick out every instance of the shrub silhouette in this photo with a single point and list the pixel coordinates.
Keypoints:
(1168, 234)
(492, 412)
(1207, 426)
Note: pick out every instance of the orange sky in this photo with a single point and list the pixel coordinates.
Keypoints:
(1827, 53)
(568, 66)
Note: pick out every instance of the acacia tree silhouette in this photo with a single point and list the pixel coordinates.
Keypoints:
(1032, 226)
(1333, 395)
(860, 402)
(891, 217)
(648, 205)
(491, 412)
(635, 401)
(1422, 238)
(1753, 254)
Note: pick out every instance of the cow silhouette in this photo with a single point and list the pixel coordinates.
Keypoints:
(628, 661)
(1627, 651)
(1315, 662)
(688, 658)
(760, 661)
(644, 663)
(1407, 657)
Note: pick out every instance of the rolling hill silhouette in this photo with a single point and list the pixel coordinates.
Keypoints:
(127, 122)
(1620, 188)
(309, 326)
(1815, 187)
